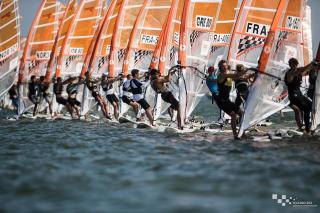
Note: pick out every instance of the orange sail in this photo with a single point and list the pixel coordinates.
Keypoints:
(198, 25)
(145, 34)
(9, 43)
(165, 54)
(61, 34)
(41, 39)
(171, 38)
(250, 32)
(100, 55)
(222, 34)
(268, 94)
(121, 33)
(78, 38)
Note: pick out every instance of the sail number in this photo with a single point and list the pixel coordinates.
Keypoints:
(149, 39)
(40, 55)
(220, 38)
(76, 51)
(257, 29)
(293, 23)
(8, 51)
(204, 22)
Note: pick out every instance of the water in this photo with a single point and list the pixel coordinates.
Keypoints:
(77, 166)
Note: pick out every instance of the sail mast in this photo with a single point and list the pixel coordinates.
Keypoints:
(114, 41)
(133, 34)
(88, 65)
(54, 51)
(65, 41)
(265, 54)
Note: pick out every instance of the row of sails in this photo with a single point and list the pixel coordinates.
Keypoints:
(94, 36)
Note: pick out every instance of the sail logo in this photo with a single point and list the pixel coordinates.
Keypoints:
(4, 54)
(40, 55)
(204, 22)
(149, 39)
(176, 38)
(257, 29)
(108, 48)
(76, 51)
(220, 38)
(293, 23)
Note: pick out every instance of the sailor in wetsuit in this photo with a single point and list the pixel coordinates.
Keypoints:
(225, 81)
(72, 90)
(13, 94)
(159, 85)
(211, 81)
(298, 102)
(33, 93)
(94, 88)
(107, 86)
(127, 96)
(242, 85)
(138, 96)
(58, 89)
(44, 93)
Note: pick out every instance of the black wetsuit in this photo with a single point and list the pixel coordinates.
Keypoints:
(127, 93)
(93, 87)
(72, 90)
(44, 91)
(166, 95)
(33, 93)
(298, 99)
(109, 90)
(57, 89)
(137, 91)
(242, 87)
(14, 96)
(223, 100)
(312, 83)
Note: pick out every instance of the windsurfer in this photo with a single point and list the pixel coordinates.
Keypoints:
(225, 81)
(211, 81)
(127, 96)
(137, 91)
(107, 86)
(44, 93)
(93, 87)
(13, 94)
(57, 89)
(33, 93)
(242, 84)
(298, 102)
(159, 84)
(72, 90)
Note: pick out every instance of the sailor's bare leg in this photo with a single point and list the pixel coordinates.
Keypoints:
(35, 109)
(298, 116)
(179, 119)
(115, 109)
(149, 115)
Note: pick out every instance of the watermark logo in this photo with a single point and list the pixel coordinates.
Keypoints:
(291, 201)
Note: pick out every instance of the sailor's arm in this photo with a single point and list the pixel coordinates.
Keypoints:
(306, 69)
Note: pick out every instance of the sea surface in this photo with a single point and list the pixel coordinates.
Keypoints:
(79, 166)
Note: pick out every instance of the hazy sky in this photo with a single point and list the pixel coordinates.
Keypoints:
(28, 9)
